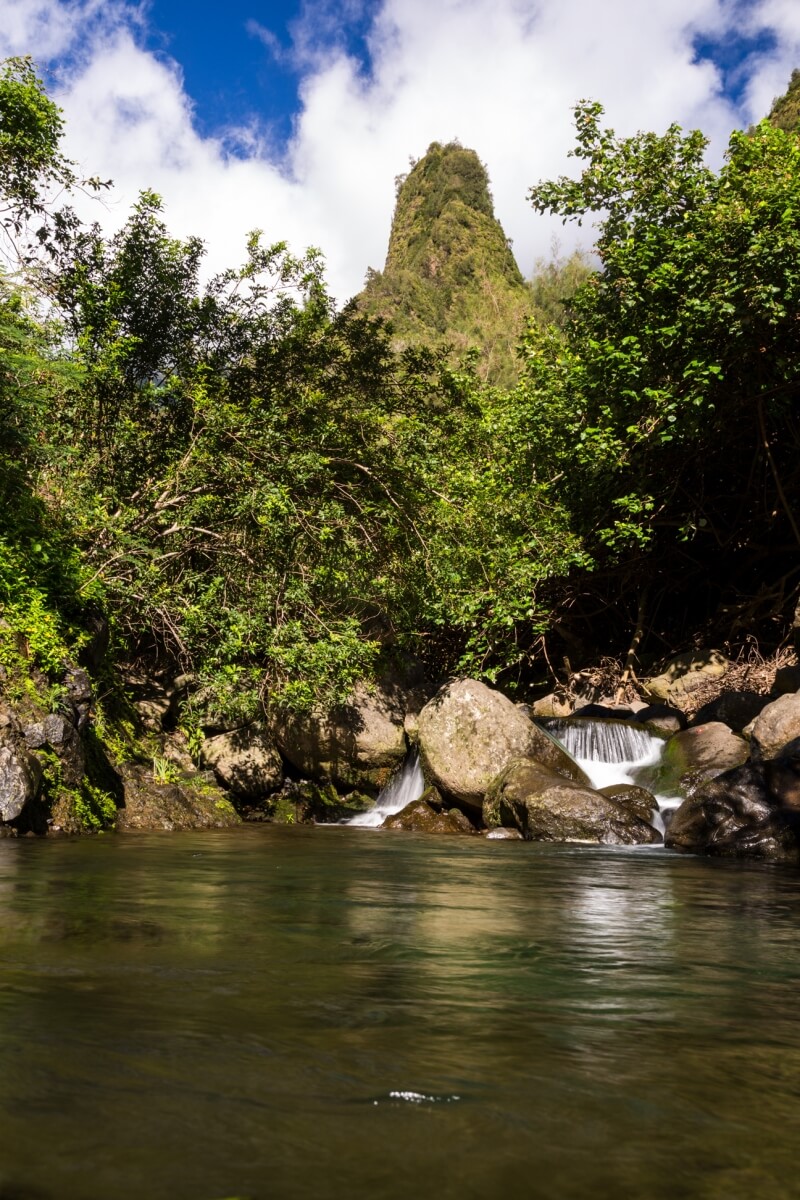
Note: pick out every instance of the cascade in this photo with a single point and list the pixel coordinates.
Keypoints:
(612, 752)
(406, 785)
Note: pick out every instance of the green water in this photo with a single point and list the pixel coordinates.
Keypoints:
(198, 1016)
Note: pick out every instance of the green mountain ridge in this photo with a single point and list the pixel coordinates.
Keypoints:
(450, 275)
(785, 111)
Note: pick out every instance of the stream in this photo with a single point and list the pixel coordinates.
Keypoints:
(283, 1012)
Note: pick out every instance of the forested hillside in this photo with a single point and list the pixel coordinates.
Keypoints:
(238, 482)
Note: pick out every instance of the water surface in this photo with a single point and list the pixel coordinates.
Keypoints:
(332, 1012)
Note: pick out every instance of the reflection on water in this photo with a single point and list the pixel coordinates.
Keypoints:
(273, 1013)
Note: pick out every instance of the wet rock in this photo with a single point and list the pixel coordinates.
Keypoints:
(776, 726)
(359, 744)
(148, 805)
(468, 733)
(734, 815)
(503, 835)
(633, 799)
(734, 709)
(421, 817)
(711, 748)
(546, 807)
(246, 761)
(684, 674)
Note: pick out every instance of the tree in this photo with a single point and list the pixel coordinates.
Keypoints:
(673, 395)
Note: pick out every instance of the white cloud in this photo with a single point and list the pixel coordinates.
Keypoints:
(501, 75)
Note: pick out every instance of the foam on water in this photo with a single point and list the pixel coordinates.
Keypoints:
(406, 785)
(613, 752)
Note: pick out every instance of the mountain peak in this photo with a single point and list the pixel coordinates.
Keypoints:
(450, 274)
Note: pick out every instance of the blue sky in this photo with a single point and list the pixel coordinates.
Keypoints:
(295, 117)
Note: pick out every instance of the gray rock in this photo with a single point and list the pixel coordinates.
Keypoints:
(359, 744)
(20, 776)
(504, 835)
(35, 736)
(469, 733)
(58, 731)
(246, 761)
(79, 694)
(776, 726)
(546, 807)
(710, 748)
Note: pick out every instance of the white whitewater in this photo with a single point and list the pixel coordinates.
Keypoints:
(612, 752)
(406, 785)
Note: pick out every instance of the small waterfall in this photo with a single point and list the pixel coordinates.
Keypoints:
(612, 752)
(406, 785)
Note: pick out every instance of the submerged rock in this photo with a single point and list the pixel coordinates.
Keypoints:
(468, 733)
(546, 807)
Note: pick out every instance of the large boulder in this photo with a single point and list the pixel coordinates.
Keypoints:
(775, 726)
(705, 750)
(189, 804)
(684, 674)
(468, 734)
(360, 744)
(546, 807)
(735, 815)
(245, 761)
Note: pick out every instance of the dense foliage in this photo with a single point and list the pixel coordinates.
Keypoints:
(248, 484)
(673, 389)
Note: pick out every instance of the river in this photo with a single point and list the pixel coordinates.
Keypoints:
(272, 1013)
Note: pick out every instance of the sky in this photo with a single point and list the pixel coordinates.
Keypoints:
(296, 117)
